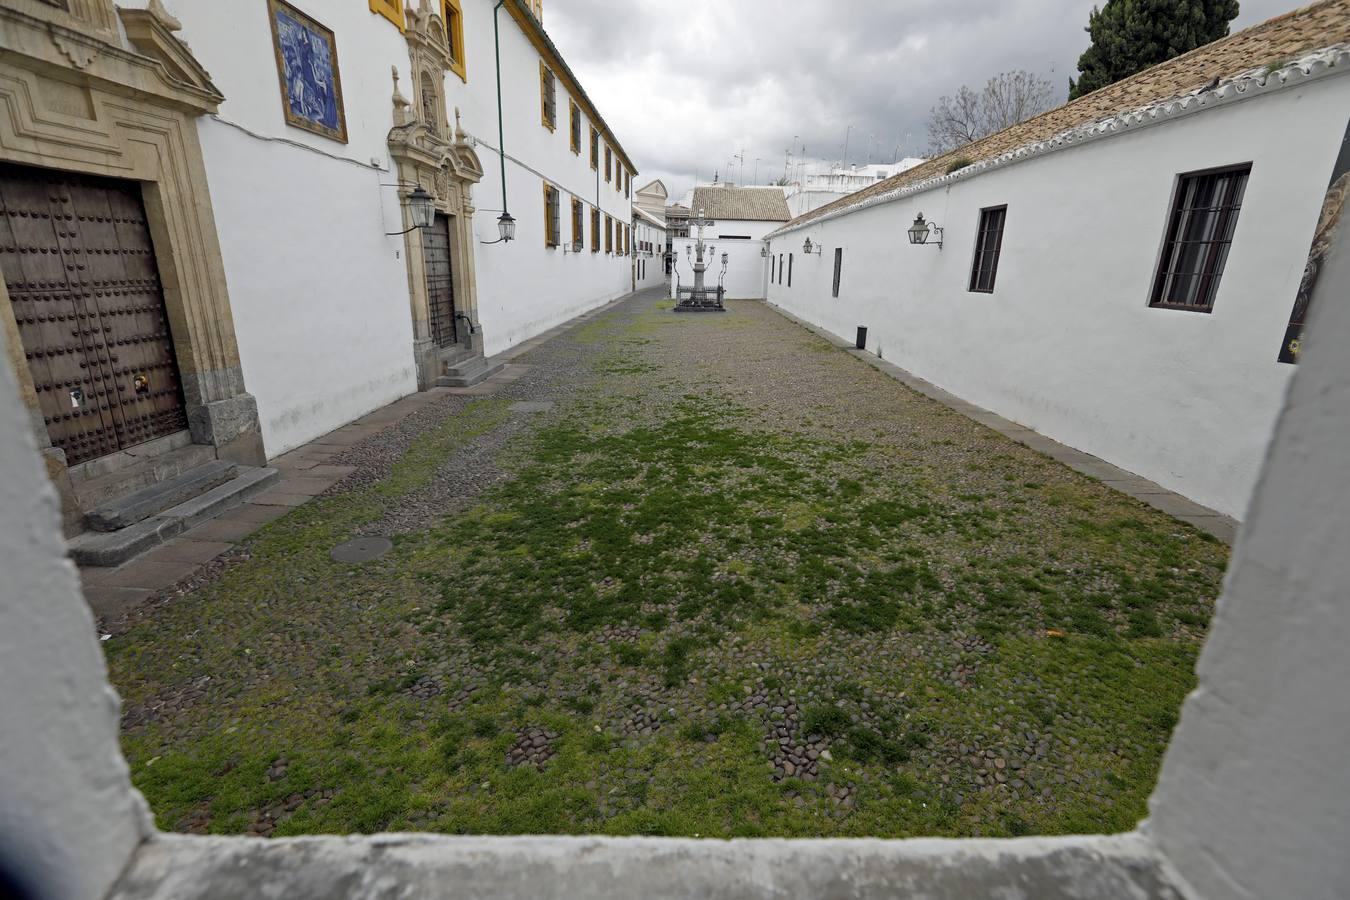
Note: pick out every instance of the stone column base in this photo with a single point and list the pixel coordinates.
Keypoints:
(232, 427)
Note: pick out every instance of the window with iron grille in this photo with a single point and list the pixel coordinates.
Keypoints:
(609, 234)
(548, 95)
(595, 231)
(577, 226)
(988, 243)
(609, 163)
(789, 283)
(838, 268)
(552, 216)
(595, 149)
(575, 113)
(1199, 232)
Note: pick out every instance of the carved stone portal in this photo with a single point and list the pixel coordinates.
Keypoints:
(428, 151)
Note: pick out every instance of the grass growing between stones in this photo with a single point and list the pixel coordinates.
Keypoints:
(704, 603)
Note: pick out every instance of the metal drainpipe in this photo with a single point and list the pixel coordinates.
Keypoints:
(501, 128)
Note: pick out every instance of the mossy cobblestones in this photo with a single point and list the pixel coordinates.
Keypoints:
(727, 586)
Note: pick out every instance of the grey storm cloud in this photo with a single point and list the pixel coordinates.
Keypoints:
(688, 86)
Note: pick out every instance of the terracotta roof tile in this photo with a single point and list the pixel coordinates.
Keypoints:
(755, 204)
(1273, 42)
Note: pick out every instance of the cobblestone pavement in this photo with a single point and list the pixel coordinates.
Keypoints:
(676, 575)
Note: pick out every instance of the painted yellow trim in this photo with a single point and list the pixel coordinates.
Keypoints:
(453, 15)
(551, 238)
(545, 73)
(390, 9)
(533, 30)
(595, 149)
(609, 163)
(595, 230)
(574, 125)
(578, 225)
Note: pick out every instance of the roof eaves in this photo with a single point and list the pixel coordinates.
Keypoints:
(1332, 60)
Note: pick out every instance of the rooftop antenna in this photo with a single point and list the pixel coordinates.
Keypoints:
(847, 134)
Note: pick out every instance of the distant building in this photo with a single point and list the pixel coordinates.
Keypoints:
(649, 248)
(815, 190)
(741, 213)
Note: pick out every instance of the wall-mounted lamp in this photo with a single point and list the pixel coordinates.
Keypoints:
(808, 248)
(725, 257)
(421, 209)
(763, 252)
(920, 231)
(506, 229)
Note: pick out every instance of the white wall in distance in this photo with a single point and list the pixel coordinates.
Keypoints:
(68, 814)
(746, 270)
(524, 287)
(752, 229)
(319, 293)
(1067, 344)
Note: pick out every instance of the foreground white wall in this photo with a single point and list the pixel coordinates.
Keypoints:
(1261, 745)
(745, 267)
(1067, 344)
(68, 814)
(319, 293)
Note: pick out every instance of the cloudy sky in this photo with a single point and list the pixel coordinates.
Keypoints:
(687, 85)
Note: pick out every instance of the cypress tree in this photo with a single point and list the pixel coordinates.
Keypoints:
(1128, 36)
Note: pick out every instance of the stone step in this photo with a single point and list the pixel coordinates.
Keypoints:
(469, 372)
(112, 548)
(146, 502)
(97, 482)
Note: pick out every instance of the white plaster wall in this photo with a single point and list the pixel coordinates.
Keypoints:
(753, 229)
(653, 267)
(319, 293)
(524, 287)
(746, 269)
(807, 201)
(1252, 802)
(1067, 344)
(68, 813)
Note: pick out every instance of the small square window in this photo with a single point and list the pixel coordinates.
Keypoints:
(988, 244)
(1199, 232)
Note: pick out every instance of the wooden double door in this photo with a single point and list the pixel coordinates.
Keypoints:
(440, 282)
(80, 268)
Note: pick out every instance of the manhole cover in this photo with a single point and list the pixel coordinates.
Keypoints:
(362, 550)
(532, 406)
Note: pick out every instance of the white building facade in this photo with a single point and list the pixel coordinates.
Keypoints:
(316, 221)
(649, 249)
(1082, 313)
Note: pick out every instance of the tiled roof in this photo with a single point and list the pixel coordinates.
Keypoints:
(755, 204)
(676, 211)
(1240, 57)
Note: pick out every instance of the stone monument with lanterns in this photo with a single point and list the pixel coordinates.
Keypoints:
(700, 297)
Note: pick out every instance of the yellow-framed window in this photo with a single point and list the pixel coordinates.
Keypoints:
(595, 231)
(548, 97)
(390, 9)
(575, 124)
(609, 162)
(552, 216)
(609, 234)
(595, 149)
(628, 240)
(454, 36)
(577, 225)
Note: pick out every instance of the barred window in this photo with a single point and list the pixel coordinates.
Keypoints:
(1199, 233)
(552, 216)
(548, 97)
(988, 243)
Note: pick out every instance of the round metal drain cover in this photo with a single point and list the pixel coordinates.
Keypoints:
(362, 550)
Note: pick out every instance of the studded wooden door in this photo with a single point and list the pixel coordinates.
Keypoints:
(77, 259)
(440, 281)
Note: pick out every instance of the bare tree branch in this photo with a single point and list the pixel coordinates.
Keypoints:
(1007, 98)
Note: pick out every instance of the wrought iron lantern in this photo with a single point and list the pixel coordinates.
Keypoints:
(506, 227)
(421, 207)
(725, 257)
(811, 247)
(921, 230)
(763, 252)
